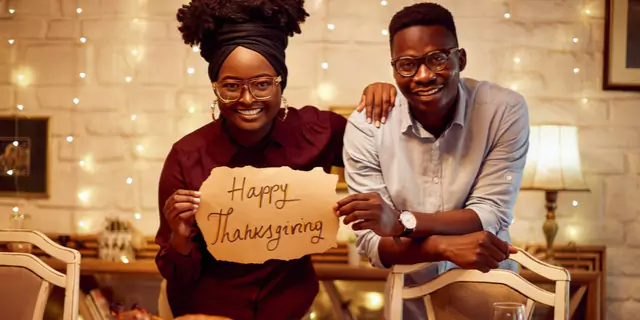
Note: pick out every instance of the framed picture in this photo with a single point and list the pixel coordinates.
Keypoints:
(24, 157)
(622, 45)
(342, 183)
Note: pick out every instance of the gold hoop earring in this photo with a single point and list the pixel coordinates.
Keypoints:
(285, 105)
(215, 110)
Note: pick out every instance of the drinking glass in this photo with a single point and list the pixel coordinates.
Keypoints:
(508, 311)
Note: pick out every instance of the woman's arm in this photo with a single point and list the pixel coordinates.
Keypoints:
(179, 257)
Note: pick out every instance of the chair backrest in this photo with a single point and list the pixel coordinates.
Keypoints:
(18, 263)
(559, 299)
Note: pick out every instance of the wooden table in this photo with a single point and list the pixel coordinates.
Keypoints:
(587, 282)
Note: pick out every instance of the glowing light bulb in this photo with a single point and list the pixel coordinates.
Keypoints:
(516, 60)
(192, 109)
(373, 300)
(134, 117)
(16, 209)
(11, 41)
(82, 224)
(83, 39)
(576, 70)
(82, 75)
(134, 52)
(76, 100)
(575, 40)
(383, 3)
(84, 195)
(81, 163)
(584, 100)
(12, 11)
(128, 78)
(325, 65)
(129, 180)
(137, 216)
(575, 203)
(124, 259)
(69, 138)
(191, 70)
(196, 49)
(139, 148)
(384, 32)
(10, 172)
(330, 26)
(16, 143)
(587, 11)
(507, 15)
(312, 315)
(79, 10)
(20, 107)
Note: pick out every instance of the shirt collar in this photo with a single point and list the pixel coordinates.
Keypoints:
(408, 123)
(223, 147)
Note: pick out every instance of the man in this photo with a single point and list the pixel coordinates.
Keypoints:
(438, 182)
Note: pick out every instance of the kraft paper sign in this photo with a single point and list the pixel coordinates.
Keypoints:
(251, 215)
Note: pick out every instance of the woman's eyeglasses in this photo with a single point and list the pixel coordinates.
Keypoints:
(436, 61)
(262, 88)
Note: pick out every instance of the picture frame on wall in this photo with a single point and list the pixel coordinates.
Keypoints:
(342, 183)
(24, 156)
(622, 45)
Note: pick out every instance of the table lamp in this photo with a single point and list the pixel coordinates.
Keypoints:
(553, 164)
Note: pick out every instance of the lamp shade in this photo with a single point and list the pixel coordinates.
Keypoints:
(553, 161)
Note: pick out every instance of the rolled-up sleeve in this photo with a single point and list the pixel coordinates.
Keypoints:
(173, 265)
(498, 182)
(363, 174)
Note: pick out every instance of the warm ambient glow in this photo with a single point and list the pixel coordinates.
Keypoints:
(553, 161)
(373, 300)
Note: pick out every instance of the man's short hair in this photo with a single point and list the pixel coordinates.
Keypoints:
(422, 14)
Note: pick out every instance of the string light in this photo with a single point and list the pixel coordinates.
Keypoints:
(383, 3)
(16, 209)
(325, 65)
(575, 40)
(79, 10)
(81, 163)
(192, 109)
(82, 75)
(575, 203)
(128, 78)
(584, 100)
(516, 60)
(576, 70)
(385, 32)
(196, 49)
(83, 39)
(587, 11)
(507, 15)
(82, 224)
(11, 41)
(134, 117)
(134, 52)
(69, 138)
(330, 26)
(84, 195)
(129, 180)
(76, 100)
(137, 215)
(139, 148)
(20, 107)
(12, 11)
(191, 70)
(10, 172)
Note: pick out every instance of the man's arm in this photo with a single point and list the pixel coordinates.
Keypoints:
(363, 175)
(489, 207)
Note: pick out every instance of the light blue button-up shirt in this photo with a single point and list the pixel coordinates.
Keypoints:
(477, 164)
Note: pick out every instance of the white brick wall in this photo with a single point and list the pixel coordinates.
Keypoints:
(168, 103)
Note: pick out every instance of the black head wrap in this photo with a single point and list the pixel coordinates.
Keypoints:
(268, 41)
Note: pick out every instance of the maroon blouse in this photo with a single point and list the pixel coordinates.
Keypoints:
(198, 283)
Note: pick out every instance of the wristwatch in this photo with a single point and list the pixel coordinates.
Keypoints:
(408, 221)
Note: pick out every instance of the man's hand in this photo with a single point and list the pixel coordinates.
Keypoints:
(369, 211)
(378, 98)
(479, 250)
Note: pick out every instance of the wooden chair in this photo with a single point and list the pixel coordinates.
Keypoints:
(512, 281)
(26, 280)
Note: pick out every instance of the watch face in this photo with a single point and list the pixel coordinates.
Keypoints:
(408, 220)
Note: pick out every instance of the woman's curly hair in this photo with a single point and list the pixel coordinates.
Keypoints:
(201, 18)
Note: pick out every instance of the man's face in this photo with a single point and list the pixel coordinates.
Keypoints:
(432, 85)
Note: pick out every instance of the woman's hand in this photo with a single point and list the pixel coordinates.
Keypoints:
(378, 98)
(180, 210)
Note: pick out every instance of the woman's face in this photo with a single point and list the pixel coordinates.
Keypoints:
(247, 113)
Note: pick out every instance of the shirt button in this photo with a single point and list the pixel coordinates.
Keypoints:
(436, 180)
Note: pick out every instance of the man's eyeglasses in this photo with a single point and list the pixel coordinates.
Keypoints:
(436, 61)
(262, 88)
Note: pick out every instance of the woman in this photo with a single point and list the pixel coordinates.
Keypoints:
(244, 42)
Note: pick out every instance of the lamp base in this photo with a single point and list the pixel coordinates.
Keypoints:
(550, 226)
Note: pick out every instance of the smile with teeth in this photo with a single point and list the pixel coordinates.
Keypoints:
(249, 112)
(429, 92)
